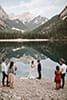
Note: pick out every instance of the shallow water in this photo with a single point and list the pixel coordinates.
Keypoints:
(47, 65)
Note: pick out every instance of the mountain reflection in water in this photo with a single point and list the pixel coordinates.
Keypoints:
(48, 52)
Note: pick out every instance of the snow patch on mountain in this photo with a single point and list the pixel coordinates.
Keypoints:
(17, 29)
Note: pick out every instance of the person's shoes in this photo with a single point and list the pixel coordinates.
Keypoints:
(38, 78)
(62, 87)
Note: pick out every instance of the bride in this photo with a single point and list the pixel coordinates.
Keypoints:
(32, 70)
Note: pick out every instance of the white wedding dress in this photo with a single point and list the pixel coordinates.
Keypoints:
(32, 72)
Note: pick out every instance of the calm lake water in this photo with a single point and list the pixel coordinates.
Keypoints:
(48, 52)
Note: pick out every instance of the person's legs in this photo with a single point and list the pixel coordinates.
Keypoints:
(39, 74)
(7, 80)
(12, 81)
(60, 84)
(63, 80)
(57, 86)
(3, 79)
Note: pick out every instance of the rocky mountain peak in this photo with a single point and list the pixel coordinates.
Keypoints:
(63, 14)
(3, 14)
(24, 17)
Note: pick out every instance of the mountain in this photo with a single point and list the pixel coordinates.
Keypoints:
(16, 25)
(63, 14)
(24, 22)
(10, 25)
(29, 20)
(24, 17)
(55, 28)
(36, 22)
(3, 25)
(3, 14)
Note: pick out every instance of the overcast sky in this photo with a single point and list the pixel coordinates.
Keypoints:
(47, 8)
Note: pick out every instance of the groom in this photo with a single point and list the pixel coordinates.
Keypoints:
(39, 69)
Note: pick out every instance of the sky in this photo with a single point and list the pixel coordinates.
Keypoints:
(46, 8)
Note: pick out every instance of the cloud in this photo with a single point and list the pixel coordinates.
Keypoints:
(46, 8)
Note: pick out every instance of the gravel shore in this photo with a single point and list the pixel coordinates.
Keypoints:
(33, 89)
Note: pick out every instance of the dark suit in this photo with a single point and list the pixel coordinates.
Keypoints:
(39, 71)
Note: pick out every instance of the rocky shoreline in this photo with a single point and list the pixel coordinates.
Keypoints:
(33, 89)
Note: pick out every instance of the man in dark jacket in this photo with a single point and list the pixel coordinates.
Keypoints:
(39, 69)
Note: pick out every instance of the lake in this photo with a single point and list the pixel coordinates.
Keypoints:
(23, 52)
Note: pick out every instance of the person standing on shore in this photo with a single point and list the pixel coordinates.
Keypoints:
(4, 72)
(63, 70)
(11, 74)
(39, 69)
(57, 77)
(32, 70)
